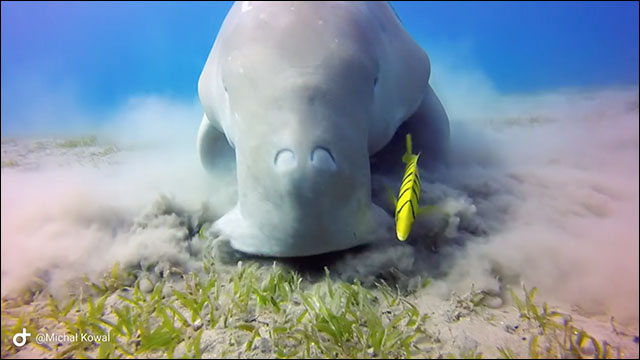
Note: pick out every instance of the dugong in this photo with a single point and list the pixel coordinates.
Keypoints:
(302, 102)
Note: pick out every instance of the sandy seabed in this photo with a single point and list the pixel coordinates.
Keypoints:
(541, 190)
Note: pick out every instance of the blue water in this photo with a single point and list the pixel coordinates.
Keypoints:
(61, 58)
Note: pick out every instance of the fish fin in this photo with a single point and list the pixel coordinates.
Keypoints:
(427, 210)
(406, 158)
(391, 195)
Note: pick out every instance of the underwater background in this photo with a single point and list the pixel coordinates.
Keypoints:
(99, 118)
(84, 58)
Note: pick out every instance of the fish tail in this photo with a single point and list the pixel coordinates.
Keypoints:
(406, 158)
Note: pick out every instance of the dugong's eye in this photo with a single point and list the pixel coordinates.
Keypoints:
(375, 81)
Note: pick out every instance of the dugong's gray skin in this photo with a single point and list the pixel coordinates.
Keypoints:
(298, 98)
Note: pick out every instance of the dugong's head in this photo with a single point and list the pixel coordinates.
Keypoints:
(295, 89)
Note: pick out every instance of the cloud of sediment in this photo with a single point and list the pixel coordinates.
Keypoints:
(553, 177)
(544, 187)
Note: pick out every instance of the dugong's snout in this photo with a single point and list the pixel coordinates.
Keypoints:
(308, 182)
(302, 198)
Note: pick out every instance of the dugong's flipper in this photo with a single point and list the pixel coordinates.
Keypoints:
(218, 158)
(429, 128)
(216, 155)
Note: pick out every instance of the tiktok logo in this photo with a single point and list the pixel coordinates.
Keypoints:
(22, 336)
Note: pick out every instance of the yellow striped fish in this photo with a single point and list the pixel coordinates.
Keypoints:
(407, 203)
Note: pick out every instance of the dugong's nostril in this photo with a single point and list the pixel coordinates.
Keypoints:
(285, 159)
(322, 158)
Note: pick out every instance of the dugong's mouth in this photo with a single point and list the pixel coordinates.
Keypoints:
(311, 236)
